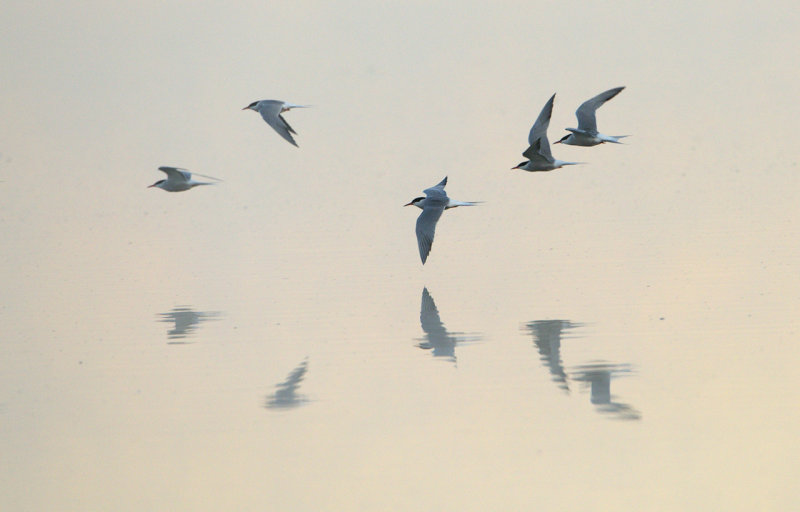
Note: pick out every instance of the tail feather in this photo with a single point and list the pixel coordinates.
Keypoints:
(455, 204)
(614, 139)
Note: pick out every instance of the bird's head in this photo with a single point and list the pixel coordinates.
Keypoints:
(562, 139)
(417, 201)
(252, 106)
(157, 184)
(520, 165)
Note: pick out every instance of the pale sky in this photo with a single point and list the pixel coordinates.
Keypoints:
(678, 251)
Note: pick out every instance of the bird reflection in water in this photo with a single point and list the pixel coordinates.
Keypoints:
(186, 321)
(598, 375)
(285, 396)
(437, 339)
(547, 336)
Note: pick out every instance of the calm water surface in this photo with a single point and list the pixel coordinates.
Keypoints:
(617, 335)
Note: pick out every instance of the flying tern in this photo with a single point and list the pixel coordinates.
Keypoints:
(538, 154)
(586, 133)
(432, 205)
(419, 202)
(179, 180)
(271, 111)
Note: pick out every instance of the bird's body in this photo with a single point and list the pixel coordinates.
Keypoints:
(432, 205)
(271, 111)
(178, 180)
(538, 153)
(586, 133)
(419, 202)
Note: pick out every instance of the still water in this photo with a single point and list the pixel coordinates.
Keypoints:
(616, 335)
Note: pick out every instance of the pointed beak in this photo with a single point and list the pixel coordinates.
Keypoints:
(557, 142)
(515, 167)
(151, 186)
(246, 108)
(409, 204)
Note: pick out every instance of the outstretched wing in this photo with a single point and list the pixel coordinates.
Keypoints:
(176, 173)
(435, 203)
(441, 184)
(539, 128)
(271, 112)
(426, 228)
(587, 119)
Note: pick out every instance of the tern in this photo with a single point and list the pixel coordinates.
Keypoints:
(419, 202)
(271, 111)
(179, 180)
(586, 133)
(432, 205)
(538, 154)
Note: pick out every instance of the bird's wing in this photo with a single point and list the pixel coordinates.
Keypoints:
(539, 151)
(271, 112)
(288, 127)
(435, 203)
(436, 195)
(176, 173)
(539, 128)
(587, 120)
(441, 184)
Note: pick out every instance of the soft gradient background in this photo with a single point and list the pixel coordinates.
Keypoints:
(258, 345)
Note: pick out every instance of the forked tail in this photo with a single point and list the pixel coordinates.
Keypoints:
(615, 138)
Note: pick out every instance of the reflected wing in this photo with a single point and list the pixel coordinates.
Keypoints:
(271, 112)
(429, 318)
(285, 395)
(539, 128)
(587, 120)
(185, 320)
(176, 173)
(547, 337)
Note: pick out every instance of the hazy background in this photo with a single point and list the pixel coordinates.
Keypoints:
(615, 335)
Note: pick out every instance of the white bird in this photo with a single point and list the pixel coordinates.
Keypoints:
(271, 111)
(538, 154)
(179, 180)
(432, 205)
(419, 202)
(586, 133)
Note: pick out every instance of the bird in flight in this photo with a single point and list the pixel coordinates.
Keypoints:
(271, 111)
(586, 133)
(432, 205)
(179, 180)
(538, 153)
